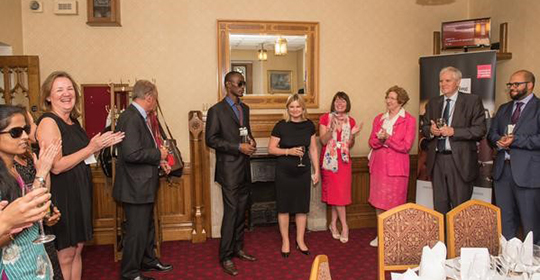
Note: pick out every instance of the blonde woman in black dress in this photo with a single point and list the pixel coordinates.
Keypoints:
(293, 142)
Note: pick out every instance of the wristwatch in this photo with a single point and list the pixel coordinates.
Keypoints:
(41, 181)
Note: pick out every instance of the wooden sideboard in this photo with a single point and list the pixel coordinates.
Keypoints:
(184, 206)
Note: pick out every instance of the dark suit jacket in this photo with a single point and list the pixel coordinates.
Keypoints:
(223, 135)
(137, 178)
(469, 123)
(525, 149)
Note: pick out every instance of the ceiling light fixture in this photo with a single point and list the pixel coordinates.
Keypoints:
(281, 46)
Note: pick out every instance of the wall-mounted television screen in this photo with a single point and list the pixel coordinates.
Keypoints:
(466, 33)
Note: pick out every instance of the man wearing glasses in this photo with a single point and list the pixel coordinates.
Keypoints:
(515, 132)
(228, 132)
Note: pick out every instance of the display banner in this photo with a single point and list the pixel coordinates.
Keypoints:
(478, 69)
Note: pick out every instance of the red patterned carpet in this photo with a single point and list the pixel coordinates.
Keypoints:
(353, 260)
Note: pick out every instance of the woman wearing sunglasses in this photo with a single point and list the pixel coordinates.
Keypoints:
(26, 166)
(71, 178)
(21, 258)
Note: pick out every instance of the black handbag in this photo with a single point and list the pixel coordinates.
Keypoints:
(174, 159)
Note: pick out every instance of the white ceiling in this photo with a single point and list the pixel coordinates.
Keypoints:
(253, 42)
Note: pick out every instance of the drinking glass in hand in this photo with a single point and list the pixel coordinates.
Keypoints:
(167, 145)
(301, 164)
(42, 237)
(440, 123)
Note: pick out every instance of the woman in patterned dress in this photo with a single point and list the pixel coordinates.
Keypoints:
(20, 257)
(25, 165)
(391, 139)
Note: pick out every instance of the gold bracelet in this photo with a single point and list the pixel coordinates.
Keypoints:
(11, 237)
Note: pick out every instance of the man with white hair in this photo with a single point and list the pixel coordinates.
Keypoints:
(453, 123)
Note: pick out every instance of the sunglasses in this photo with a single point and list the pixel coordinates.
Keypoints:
(16, 132)
(240, 84)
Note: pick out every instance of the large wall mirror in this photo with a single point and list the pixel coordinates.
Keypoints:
(277, 59)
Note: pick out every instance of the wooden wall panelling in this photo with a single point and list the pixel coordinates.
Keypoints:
(19, 65)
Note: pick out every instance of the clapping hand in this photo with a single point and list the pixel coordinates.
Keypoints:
(46, 158)
(107, 139)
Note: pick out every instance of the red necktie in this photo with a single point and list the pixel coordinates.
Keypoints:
(240, 113)
(517, 112)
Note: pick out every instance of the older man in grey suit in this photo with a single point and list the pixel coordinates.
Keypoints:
(137, 181)
(515, 132)
(452, 159)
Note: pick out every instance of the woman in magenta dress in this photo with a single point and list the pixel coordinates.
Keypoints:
(391, 139)
(337, 131)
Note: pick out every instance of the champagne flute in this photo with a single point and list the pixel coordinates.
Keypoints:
(301, 164)
(42, 237)
(440, 122)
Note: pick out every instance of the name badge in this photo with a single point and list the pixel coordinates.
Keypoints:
(90, 160)
(243, 131)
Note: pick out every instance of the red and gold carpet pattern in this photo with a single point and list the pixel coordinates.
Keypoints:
(353, 260)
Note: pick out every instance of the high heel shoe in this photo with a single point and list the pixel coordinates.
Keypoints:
(344, 239)
(285, 254)
(335, 234)
(306, 252)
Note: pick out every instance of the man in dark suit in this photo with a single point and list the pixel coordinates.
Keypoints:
(452, 159)
(229, 133)
(515, 132)
(137, 181)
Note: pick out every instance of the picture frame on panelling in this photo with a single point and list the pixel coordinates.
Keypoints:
(103, 12)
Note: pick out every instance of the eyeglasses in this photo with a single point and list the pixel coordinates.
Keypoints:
(16, 132)
(240, 84)
(516, 84)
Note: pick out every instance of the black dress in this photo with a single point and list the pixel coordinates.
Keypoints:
(72, 190)
(28, 174)
(293, 183)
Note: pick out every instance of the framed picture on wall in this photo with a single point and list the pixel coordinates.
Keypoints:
(279, 81)
(103, 12)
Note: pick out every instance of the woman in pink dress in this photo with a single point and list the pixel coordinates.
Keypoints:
(391, 139)
(337, 131)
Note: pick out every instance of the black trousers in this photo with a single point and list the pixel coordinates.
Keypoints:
(139, 239)
(235, 200)
(518, 205)
(449, 188)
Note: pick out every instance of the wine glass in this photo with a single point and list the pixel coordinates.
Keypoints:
(42, 237)
(301, 164)
(440, 123)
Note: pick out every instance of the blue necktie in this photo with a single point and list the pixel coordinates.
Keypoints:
(441, 144)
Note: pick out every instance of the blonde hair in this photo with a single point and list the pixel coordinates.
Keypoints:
(46, 93)
(296, 97)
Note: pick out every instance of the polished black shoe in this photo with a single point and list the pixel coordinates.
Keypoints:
(157, 267)
(229, 267)
(243, 256)
(140, 277)
(306, 252)
(285, 254)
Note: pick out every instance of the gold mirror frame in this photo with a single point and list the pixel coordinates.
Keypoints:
(310, 29)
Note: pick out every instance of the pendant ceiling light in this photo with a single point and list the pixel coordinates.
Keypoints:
(280, 47)
(263, 54)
